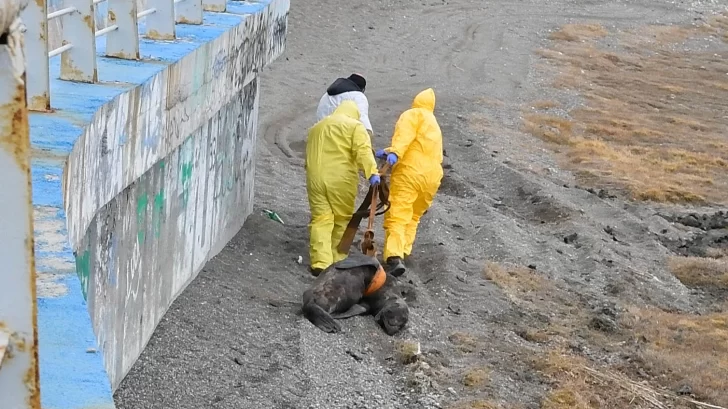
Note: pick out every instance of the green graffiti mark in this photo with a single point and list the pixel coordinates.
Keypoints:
(186, 177)
(141, 216)
(157, 212)
(158, 209)
(83, 270)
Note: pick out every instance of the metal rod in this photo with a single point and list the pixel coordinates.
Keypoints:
(61, 12)
(178, 1)
(59, 50)
(146, 12)
(98, 1)
(106, 30)
(35, 17)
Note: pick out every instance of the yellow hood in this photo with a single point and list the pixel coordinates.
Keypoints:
(347, 108)
(425, 99)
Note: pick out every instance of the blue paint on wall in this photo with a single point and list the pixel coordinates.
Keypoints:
(72, 376)
(46, 177)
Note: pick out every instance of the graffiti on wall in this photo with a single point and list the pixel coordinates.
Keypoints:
(119, 146)
(150, 196)
(143, 248)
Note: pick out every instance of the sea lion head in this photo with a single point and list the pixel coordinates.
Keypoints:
(393, 317)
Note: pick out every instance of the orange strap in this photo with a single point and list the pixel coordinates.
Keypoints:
(380, 277)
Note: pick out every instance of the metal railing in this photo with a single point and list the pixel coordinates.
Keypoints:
(18, 322)
(78, 36)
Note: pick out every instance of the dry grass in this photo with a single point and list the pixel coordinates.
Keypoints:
(682, 349)
(672, 349)
(513, 278)
(655, 120)
(490, 102)
(479, 123)
(475, 377)
(545, 104)
(716, 252)
(476, 404)
(408, 351)
(574, 386)
(533, 292)
(464, 342)
(700, 271)
(578, 32)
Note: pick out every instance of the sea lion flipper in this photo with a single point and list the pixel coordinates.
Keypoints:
(356, 309)
(320, 318)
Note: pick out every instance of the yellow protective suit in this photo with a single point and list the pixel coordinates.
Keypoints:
(336, 148)
(416, 176)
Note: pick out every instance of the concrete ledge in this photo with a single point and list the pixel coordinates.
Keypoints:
(137, 182)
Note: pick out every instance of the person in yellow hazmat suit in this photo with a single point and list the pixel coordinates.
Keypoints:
(336, 148)
(416, 156)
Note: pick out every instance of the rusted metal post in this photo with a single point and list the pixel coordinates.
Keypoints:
(18, 312)
(123, 42)
(214, 5)
(79, 29)
(35, 18)
(189, 12)
(160, 23)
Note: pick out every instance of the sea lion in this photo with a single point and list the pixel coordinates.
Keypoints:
(386, 304)
(339, 287)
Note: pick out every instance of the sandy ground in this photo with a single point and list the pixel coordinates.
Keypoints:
(233, 339)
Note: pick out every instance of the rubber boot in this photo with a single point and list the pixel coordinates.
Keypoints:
(395, 266)
(316, 271)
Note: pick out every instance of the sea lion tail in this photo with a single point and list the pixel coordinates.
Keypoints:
(320, 318)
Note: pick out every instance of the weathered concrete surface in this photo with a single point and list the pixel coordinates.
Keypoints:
(137, 182)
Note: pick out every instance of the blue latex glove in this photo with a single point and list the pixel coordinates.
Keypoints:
(392, 159)
(374, 180)
(380, 154)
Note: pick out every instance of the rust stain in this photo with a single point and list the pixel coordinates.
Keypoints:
(16, 140)
(155, 35)
(69, 72)
(40, 103)
(182, 20)
(112, 16)
(124, 56)
(32, 376)
(19, 343)
(89, 21)
(215, 7)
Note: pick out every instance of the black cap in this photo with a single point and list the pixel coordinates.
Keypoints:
(358, 80)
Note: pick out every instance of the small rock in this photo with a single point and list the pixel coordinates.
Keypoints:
(452, 391)
(354, 355)
(603, 323)
(684, 390)
(571, 238)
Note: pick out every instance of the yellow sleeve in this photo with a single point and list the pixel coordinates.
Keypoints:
(363, 153)
(405, 131)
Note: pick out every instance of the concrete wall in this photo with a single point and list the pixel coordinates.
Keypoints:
(138, 181)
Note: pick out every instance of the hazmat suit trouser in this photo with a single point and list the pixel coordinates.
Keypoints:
(332, 203)
(410, 195)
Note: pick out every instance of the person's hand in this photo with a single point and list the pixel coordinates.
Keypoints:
(374, 180)
(380, 154)
(392, 159)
